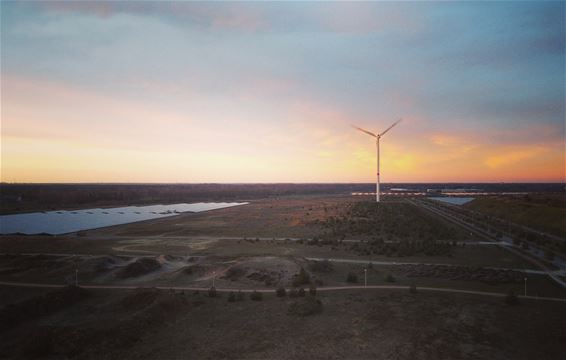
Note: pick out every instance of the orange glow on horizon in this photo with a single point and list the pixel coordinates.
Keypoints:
(45, 139)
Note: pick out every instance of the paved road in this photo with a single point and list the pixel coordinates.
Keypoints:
(471, 227)
(329, 288)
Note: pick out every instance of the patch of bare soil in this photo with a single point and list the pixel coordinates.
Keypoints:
(139, 267)
(268, 270)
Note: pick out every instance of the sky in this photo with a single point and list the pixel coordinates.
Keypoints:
(190, 92)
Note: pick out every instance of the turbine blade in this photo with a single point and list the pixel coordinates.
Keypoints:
(389, 128)
(364, 131)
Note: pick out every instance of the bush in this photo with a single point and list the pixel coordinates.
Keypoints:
(389, 278)
(511, 298)
(231, 297)
(212, 292)
(281, 292)
(302, 292)
(256, 296)
(240, 296)
(352, 278)
(312, 290)
(301, 278)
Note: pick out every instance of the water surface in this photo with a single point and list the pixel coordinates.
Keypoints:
(63, 222)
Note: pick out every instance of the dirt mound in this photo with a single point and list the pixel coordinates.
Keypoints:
(14, 314)
(267, 277)
(139, 267)
(234, 273)
(100, 264)
(193, 270)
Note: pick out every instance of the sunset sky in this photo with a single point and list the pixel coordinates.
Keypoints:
(267, 92)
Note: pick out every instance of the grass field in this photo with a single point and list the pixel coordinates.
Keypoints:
(544, 212)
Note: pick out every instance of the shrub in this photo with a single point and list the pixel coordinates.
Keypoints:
(312, 290)
(511, 298)
(212, 292)
(256, 296)
(301, 278)
(302, 292)
(352, 278)
(281, 292)
(389, 278)
(231, 297)
(239, 295)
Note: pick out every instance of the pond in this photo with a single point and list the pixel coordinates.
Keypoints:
(63, 222)
(453, 200)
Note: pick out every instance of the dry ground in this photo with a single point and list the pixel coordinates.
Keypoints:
(149, 324)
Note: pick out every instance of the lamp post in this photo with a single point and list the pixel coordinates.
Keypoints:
(213, 277)
(365, 277)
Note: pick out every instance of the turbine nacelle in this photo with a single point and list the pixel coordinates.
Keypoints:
(378, 135)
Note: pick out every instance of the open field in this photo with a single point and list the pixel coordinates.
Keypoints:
(542, 211)
(265, 245)
(149, 324)
(296, 216)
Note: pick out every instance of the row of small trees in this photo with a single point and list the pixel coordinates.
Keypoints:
(236, 296)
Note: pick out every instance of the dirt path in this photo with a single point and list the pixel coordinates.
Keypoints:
(329, 288)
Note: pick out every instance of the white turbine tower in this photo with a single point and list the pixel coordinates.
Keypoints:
(377, 138)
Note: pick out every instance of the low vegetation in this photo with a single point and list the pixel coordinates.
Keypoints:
(305, 307)
(391, 229)
(256, 296)
(301, 278)
(352, 278)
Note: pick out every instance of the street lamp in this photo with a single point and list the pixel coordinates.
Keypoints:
(365, 277)
(213, 277)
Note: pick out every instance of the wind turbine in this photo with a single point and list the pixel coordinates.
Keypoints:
(377, 138)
